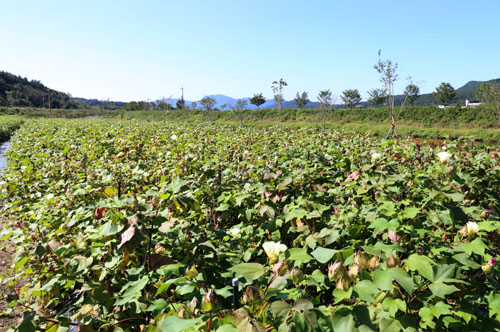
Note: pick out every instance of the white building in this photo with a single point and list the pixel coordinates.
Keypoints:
(472, 104)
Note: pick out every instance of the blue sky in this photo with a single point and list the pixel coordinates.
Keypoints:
(139, 50)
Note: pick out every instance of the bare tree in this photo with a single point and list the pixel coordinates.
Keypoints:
(240, 106)
(278, 96)
(387, 70)
(325, 103)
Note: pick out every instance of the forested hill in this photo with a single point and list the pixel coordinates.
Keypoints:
(20, 92)
(468, 91)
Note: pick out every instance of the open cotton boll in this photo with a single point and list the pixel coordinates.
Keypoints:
(273, 250)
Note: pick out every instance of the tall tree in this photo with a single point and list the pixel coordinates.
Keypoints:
(207, 102)
(489, 93)
(351, 97)
(325, 99)
(257, 100)
(162, 105)
(387, 70)
(194, 105)
(277, 87)
(444, 93)
(241, 104)
(412, 91)
(301, 99)
(377, 97)
(180, 104)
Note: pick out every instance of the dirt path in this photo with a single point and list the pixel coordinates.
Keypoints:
(13, 319)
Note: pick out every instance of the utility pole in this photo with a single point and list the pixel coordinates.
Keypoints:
(164, 111)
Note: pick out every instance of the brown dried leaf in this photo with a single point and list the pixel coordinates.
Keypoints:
(99, 213)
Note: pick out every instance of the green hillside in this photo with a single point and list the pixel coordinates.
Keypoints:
(16, 91)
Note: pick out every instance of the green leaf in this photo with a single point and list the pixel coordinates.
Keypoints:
(465, 260)
(422, 264)
(20, 263)
(298, 254)
(227, 328)
(110, 228)
(383, 279)
(295, 214)
(440, 289)
(379, 225)
(158, 306)
(323, 255)
(489, 225)
(402, 278)
(393, 305)
(301, 323)
(477, 246)
(443, 272)
(83, 262)
(440, 309)
(455, 197)
(410, 213)
(250, 271)
(303, 305)
(390, 325)
(493, 304)
(133, 287)
(387, 208)
(280, 309)
(340, 294)
(365, 290)
(176, 324)
(343, 323)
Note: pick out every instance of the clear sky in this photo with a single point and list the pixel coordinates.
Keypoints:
(139, 50)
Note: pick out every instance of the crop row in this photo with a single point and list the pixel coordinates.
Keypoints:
(140, 226)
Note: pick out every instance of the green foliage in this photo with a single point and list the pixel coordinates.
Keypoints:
(351, 97)
(444, 93)
(325, 99)
(393, 241)
(8, 125)
(301, 99)
(16, 91)
(180, 104)
(257, 99)
(489, 93)
(412, 91)
(377, 97)
(207, 102)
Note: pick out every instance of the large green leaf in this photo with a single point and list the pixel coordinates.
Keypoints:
(249, 271)
(422, 264)
(365, 290)
(133, 287)
(298, 254)
(402, 278)
(323, 255)
(176, 324)
(383, 279)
